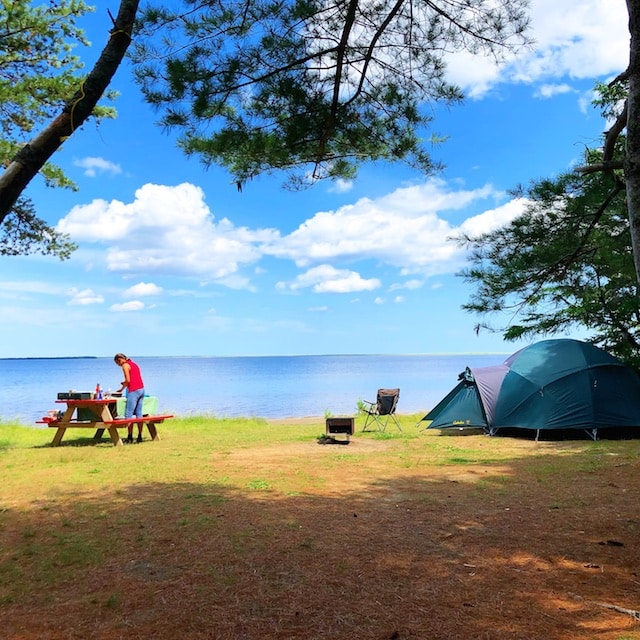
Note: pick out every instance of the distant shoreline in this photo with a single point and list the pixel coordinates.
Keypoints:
(54, 358)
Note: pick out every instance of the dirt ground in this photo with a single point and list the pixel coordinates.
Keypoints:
(340, 544)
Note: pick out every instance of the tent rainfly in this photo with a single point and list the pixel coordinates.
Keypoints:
(552, 384)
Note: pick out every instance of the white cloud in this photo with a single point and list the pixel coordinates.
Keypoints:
(93, 166)
(493, 218)
(84, 297)
(166, 230)
(340, 185)
(142, 289)
(131, 305)
(404, 229)
(572, 39)
(546, 91)
(409, 284)
(171, 231)
(327, 279)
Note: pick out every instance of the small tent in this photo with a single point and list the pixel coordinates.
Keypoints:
(552, 384)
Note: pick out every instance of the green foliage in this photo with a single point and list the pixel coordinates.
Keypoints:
(23, 232)
(314, 89)
(361, 407)
(565, 263)
(37, 67)
(38, 71)
(38, 74)
(610, 98)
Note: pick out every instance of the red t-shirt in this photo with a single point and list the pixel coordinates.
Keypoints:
(135, 377)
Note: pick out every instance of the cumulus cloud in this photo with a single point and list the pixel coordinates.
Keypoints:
(169, 230)
(340, 185)
(493, 218)
(142, 289)
(84, 297)
(94, 166)
(409, 284)
(546, 91)
(131, 305)
(166, 230)
(572, 39)
(327, 279)
(405, 229)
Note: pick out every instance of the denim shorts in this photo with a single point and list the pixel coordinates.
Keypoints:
(134, 404)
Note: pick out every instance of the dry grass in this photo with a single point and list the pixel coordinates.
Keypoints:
(232, 530)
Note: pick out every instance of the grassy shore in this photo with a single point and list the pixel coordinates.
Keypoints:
(251, 529)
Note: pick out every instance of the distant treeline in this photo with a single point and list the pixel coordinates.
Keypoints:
(55, 358)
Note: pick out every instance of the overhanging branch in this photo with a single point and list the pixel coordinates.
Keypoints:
(33, 156)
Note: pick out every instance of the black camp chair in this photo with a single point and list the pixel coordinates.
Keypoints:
(382, 410)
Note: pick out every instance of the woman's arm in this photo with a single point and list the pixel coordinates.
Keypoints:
(126, 369)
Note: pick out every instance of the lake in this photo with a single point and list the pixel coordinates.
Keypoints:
(266, 386)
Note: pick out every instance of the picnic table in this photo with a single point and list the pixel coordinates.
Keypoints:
(102, 415)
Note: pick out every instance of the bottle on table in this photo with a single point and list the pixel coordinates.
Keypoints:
(98, 394)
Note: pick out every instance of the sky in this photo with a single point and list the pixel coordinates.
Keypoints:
(174, 261)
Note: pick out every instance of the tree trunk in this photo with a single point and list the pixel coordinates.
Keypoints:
(632, 156)
(31, 158)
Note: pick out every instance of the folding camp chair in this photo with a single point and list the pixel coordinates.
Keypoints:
(382, 410)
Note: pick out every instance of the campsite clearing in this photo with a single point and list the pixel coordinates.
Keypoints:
(226, 530)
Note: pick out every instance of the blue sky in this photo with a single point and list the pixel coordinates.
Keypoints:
(173, 260)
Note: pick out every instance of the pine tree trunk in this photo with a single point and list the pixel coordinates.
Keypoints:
(32, 157)
(632, 156)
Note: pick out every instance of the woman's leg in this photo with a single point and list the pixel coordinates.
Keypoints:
(134, 408)
(137, 400)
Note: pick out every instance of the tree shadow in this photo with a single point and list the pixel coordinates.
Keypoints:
(527, 548)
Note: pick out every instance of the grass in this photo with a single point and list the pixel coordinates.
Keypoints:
(249, 528)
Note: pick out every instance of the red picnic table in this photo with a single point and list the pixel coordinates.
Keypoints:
(99, 415)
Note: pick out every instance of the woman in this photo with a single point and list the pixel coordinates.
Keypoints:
(135, 392)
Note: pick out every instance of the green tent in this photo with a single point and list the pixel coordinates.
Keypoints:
(552, 384)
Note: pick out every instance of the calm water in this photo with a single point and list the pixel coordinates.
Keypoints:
(268, 387)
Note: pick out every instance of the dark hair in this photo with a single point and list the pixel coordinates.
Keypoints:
(118, 356)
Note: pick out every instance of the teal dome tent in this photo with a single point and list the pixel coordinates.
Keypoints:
(552, 384)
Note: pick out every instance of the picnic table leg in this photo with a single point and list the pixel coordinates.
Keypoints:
(58, 437)
(102, 415)
(153, 432)
(115, 436)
